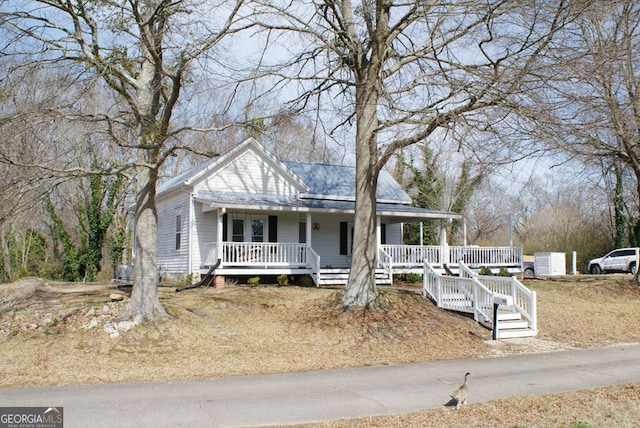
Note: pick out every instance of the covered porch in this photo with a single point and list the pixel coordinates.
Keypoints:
(274, 236)
(261, 258)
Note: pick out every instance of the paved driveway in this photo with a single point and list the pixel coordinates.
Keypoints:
(293, 398)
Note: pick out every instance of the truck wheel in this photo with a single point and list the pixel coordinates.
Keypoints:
(595, 270)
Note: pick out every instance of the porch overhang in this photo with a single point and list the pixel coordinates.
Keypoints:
(394, 211)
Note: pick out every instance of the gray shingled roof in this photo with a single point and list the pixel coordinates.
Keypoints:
(324, 181)
(244, 200)
(339, 181)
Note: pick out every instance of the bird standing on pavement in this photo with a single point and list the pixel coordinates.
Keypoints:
(460, 393)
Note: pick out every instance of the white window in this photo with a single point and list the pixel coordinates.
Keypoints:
(178, 231)
(249, 229)
(237, 227)
(257, 230)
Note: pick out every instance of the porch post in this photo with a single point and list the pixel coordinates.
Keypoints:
(443, 243)
(308, 227)
(464, 232)
(219, 249)
(378, 238)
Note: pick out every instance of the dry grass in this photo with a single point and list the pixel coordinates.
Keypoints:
(236, 330)
(46, 338)
(617, 406)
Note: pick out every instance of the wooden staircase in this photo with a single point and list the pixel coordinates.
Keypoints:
(476, 294)
(511, 324)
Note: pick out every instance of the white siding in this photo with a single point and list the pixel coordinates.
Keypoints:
(394, 234)
(288, 227)
(169, 259)
(326, 239)
(204, 231)
(248, 173)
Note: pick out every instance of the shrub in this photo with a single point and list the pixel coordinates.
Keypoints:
(485, 271)
(283, 279)
(182, 280)
(504, 272)
(254, 281)
(413, 277)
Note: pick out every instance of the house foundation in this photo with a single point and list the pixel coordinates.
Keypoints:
(218, 281)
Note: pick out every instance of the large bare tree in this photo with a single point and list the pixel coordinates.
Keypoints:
(403, 71)
(144, 52)
(593, 100)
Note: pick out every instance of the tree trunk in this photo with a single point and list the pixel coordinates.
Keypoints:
(361, 290)
(618, 206)
(144, 303)
(6, 259)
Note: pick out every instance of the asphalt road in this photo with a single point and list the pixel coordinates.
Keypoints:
(292, 398)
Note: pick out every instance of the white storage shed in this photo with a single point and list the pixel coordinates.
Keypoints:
(550, 264)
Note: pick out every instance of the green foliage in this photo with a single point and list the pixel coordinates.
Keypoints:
(410, 277)
(255, 127)
(254, 281)
(183, 280)
(504, 272)
(81, 261)
(485, 271)
(72, 264)
(620, 221)
(425, 182)
(465, 187)
(425, 186)
(98, 213)
(120, 242)
(283, 279)
(578, 424)
(22, 254)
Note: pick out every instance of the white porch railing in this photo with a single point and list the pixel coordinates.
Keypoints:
(416, 255)
(413, 255)
(266, 254)
(486, 256)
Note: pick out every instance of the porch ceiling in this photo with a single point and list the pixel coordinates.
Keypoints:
(399, 212)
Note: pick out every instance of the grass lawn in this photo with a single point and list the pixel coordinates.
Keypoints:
(54, 334)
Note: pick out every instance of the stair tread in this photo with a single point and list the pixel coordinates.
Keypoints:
(512, 325)
(522, 332)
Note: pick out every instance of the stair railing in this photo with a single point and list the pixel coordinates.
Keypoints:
(454, 292)
(431, 283)
(483, 296)
(524, 300)
(386, 262)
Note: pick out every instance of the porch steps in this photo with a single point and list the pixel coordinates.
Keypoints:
(511, 324)
(456, 293)
(339, 276)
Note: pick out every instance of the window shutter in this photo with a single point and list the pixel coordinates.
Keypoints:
(273, 228)
(343, 238)
(225, 231)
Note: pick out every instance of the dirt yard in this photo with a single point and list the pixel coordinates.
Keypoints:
(61, 334)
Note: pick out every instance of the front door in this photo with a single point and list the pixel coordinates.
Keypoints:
(252, 229)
